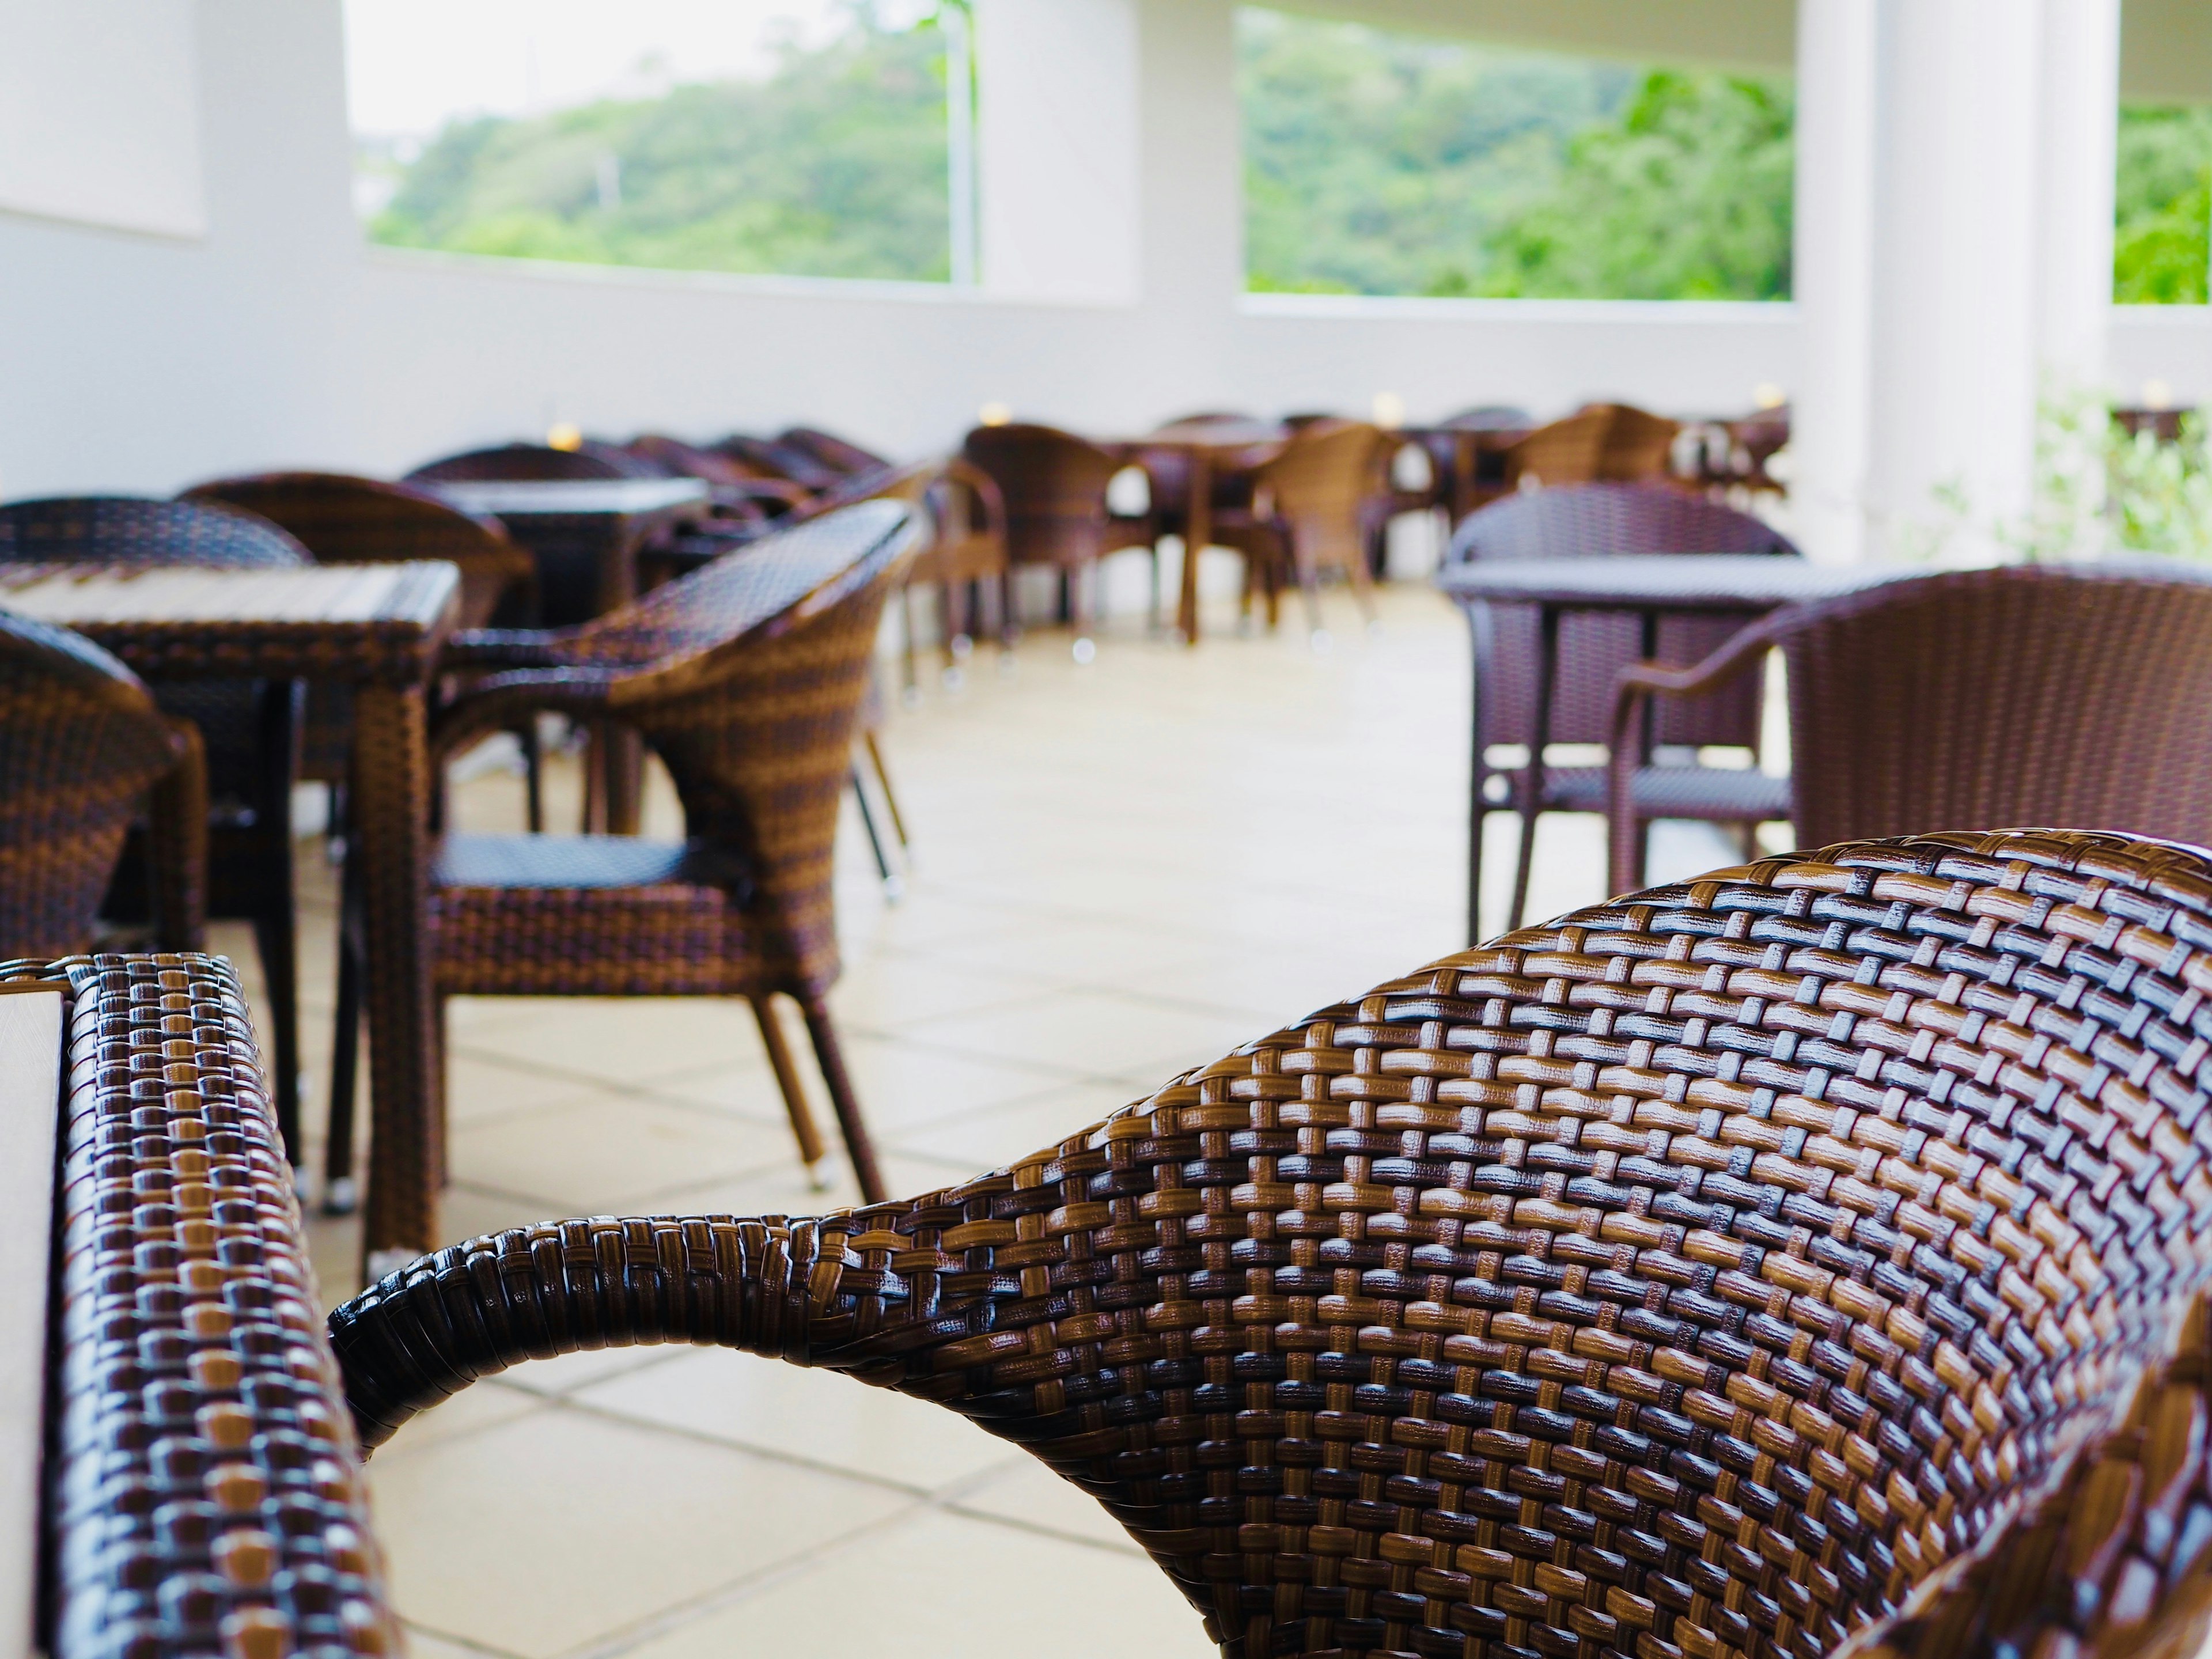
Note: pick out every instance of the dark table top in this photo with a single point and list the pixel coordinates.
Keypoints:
(1748, 582)
(616, 498)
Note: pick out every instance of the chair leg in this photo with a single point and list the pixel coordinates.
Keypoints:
(910, 681)
(875, 837)
(1524, 857)
(1083, 585)
(1010, 631)
(1309, 586)
(1363, 590)
(276, 937)
(533, 775)
(858, 1146)
(883, 782)
(803, 1126)
(339, 1196)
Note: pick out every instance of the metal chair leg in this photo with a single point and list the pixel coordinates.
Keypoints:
(891, 882)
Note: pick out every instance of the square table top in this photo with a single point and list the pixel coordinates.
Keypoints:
(334, 622)
(610, 498)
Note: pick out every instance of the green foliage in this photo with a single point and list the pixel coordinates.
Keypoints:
(2162, 232)
(833, 165)
(1377, 163)
(2162, 493)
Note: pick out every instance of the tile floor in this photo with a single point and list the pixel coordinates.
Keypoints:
(1120, 871)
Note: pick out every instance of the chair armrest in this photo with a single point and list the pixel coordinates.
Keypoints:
(1633, 687)
(177, 843)
(504, 647)
(962, 473)
(421, 1335)
(502, 701)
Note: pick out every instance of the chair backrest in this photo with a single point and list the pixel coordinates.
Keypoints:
(1605, 519)
(1637, 444)
(2077, 698)
(1320, 483)
(772, 458)
(80, 743)
(1814, 1254)
(831, 450)
(521, 463)
(746, 677)
(1054, 487)
(1566, 452)
(133, 529)
(342, 520)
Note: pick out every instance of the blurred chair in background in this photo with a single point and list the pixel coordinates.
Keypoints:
(1309, 510)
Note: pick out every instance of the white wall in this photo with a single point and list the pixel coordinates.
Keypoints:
(134, 363)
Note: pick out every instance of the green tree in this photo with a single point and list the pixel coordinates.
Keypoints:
(834, 165)
(2162, 229)
(1378, 163)
(1687, 195)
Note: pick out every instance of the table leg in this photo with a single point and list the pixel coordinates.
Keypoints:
(1532, 776)
(1198, 531)
(1464, 462)
(391, 798)
(1477, 623)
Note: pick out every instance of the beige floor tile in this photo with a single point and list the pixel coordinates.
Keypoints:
(557, 1378)
(1098, 1034)
(1073, 952)
(428, 1644)
(784, 1189)
(945, 1584)
(812, 1416)
(561, 1528)
(998, 1135)
(882, 993)
(622, 1040)
(1032, 1495)
(900, 1080)
(480, 1405)
(609, 1151)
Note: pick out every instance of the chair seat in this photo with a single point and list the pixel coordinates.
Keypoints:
(1718, 794)
(589, 915)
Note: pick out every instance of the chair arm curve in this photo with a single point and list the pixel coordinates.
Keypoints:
(1633, 687)
(423, 1333)
(502, 648)
(501, 701)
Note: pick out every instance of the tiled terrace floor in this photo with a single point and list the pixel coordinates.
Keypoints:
(1121, 869)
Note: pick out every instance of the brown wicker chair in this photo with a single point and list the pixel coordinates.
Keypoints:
(2078, 698)
(964, 558)
(82, 743)
(1601, 442)
(1310, 504)
(832, 451)
(250, 731)
(1809, 1260)
(1053, 485)
(772, 457)
(1606, 519)
(746, 678)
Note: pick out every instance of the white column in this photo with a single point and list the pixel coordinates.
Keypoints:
(1058, 151)
(2076, 159)
(1953, 409)
(1832, 277)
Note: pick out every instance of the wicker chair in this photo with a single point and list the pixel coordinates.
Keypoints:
(1811, 1259)
(774, 458)
(832, 451)
(1601, 442)
(2080, 697)
(1053, 485)
(537, 463)
(1310, 504)
(250, 733)
(1607, 518)
(746, 678)
(81, 743)
(966, 558)
(1489, 431)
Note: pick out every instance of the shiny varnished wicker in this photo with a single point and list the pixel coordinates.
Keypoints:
(81, 743)
(746, 678)
(1595, 520)
(249, 728)
(205, 1492)
(1806, 1259)
(2078, 696)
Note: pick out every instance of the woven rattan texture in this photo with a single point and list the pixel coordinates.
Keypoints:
(1605, 519)
(80, 742)
(1804, 1255)
(205, 1495)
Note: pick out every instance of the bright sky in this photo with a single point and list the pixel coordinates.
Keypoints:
(412, 64)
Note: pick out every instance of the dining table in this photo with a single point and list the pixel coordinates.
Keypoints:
(1470, 462)
(585, 534)
(376, 628)
(1200, 450)
(1647, 585)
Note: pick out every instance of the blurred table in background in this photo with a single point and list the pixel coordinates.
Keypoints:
(585, 534)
